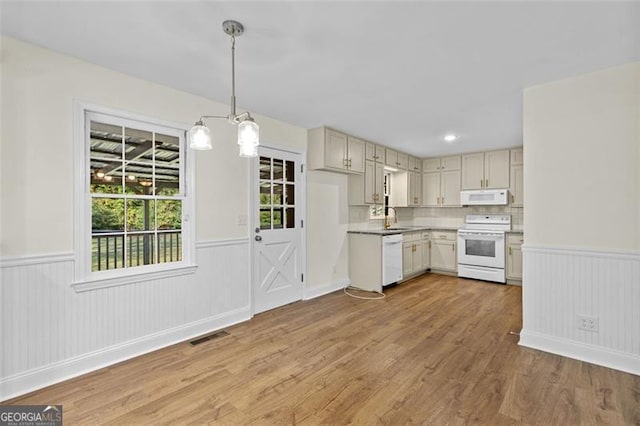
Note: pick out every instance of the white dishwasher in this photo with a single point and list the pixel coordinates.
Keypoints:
(391, 259)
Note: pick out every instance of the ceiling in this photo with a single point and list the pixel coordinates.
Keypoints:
(399, 73)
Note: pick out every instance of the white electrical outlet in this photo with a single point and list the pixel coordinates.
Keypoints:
(588, 323)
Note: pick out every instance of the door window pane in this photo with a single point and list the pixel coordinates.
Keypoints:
(290, 218)
(278, 219)
(265, 218)
(290, 171)
(278, 190)
(265, 168)
(278, 169)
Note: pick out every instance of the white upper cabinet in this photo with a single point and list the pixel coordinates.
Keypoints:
(485, 170)
(438, 164)
(329, 149)
(395, 159)
(415, 164)
(367, 188)
(516, 189)
(374, 152)
(441, 181)
(406, 189)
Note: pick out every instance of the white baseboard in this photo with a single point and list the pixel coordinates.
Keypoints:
(312, 293)
(622, 361)
(29, 381)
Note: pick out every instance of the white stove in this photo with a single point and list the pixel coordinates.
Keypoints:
(481, 245)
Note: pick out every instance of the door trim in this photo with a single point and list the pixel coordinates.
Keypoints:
(253, 219)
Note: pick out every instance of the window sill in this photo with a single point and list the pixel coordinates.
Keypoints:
(95, 284)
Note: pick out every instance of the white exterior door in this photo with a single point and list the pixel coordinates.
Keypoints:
(278, 251)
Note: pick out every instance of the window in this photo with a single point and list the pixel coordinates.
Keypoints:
(135, 198)
(277, 193)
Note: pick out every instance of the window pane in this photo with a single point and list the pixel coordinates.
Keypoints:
(265, 168)
(169, 214)
(140, 249)
(167, 156)
(107, 215)
(140, 215)
(278, 169)
(169, 247)
(138, 179)
(290, 197)
(107, 252)
(265, 218)
(106, 177)
(278, 189)
(138, 145)
(277, 219)
(265, 193)
(290, 171)
(106, 141)
(290, 217)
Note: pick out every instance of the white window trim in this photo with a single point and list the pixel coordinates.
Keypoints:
(84, 279)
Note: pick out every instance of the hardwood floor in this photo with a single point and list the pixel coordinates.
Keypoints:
(436, 350)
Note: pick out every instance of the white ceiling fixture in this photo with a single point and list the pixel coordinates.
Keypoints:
(248, 130)
(450, 137)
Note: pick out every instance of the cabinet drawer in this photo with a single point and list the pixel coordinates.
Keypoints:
(443, 235)
(515, 238)
(411, 237)
(426, 235)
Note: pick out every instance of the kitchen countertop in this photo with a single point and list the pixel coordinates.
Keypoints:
(404, 230)
(409, 229)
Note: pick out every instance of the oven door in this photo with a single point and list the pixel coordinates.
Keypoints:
(481, 248)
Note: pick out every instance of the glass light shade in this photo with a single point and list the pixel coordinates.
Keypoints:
(248, 133)
(200, 137)
(248, 150)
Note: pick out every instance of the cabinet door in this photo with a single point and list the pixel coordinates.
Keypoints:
(431, 189)
(473, 171)
(517, 186)
(517, 156)
(390, 157)
(426, 254)
(370, 151)
(379, 154)
(415, 189)
(450, 163)
(355, 154)
(417, 256)
(407, 258)
(403, 161)
(450, 188)
(443, 255)
(370, 182)
(335, 149)
(496, 169)
(514, 261)
(415, 164)
(431, 165)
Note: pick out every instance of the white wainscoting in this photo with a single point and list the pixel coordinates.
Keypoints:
(561, 283)
(50, 333)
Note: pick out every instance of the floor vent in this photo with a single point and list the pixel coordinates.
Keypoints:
(208, 337)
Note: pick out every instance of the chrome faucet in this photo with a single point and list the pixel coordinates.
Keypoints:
(387, 225)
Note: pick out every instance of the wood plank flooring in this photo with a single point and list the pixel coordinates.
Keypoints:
(436, 350)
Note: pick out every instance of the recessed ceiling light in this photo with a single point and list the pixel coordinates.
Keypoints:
(450, 138)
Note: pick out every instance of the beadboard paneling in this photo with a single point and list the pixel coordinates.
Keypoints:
(560, 284)
(45, 324)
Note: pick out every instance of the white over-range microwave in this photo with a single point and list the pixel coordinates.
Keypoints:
(485, 197)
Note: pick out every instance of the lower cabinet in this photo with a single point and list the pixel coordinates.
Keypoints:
(443, 251)
(426, 250)
(411, 254)
(514, 257)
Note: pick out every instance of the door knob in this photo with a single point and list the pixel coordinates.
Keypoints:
(258, 238)
(257, 230)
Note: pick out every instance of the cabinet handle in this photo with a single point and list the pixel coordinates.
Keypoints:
(509, 251)
(429, 244)
(442, 201)
(453, 247)
(513, 199)
(486, 183)
(481, 183)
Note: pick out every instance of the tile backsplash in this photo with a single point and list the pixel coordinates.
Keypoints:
(433, 216)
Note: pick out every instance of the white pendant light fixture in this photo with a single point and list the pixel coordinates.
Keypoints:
(248, 130)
